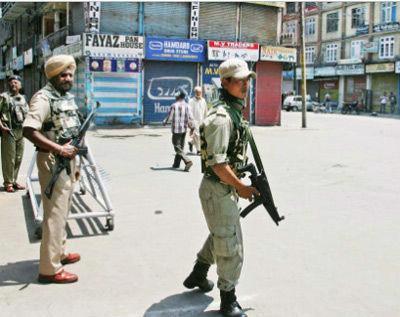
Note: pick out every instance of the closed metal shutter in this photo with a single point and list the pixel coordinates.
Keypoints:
(167, 19)
(258, 24)
(218, 21)
(77, 17)
(162, 81)
(118, 95)
(119, 18)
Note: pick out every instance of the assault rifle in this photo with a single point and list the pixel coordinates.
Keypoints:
(64, 162)
(259, 180)
(10, 131)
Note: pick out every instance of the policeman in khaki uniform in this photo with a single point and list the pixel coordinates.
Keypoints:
(53, 113)
(13, 108)
(224, 138)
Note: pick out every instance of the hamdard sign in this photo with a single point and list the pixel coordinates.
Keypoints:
(116, 46)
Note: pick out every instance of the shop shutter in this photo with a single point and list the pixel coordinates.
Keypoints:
(167, 19)
(118, 95)
(119, 18)
(162, 81)
(258, 24)
(77, 17)
(218, 21)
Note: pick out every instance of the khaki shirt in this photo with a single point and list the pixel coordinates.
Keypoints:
(218, 127)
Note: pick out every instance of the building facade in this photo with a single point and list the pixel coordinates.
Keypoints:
(352, 49)
(133, 56)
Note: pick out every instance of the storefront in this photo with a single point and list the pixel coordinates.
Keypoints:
(269, 83)
(384, 80)
(171, 64)
(312, 85)
(328, 83)
(219, 51)
(113, 76)
(353, 76)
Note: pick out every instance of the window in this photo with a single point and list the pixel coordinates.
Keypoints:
(290, 7)
(332, 22)
(388, 12)
(356, 47)
(331, 53)
(386, 47)
(357, 17)
(310, 55)
(310, 26)
(291, 27)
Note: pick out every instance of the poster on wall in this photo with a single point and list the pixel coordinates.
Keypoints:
(113, 46)
(108, 65)
(183, 50)
(223, 50)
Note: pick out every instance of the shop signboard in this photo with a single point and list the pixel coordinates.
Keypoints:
(168, 49)
(91, 11)
(71, 39)
(114, 65)
(74, 49)
(325, 71)
(211, 80)
(350, 69)
(397, 69)
(223, 50)
(28, 57)
(113, 46)
(380, 68)
(194, 19)
(309, 73)
(278, 54)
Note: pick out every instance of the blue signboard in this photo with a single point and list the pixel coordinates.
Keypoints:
(183, 50)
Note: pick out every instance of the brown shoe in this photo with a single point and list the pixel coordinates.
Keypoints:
(188, 166)
(19, 186)
(71, 258)
(9, 188)
(61, 277)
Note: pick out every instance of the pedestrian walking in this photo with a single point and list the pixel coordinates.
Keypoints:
(327, 101)
(181, 120)
(198, 109)
(13, 109)
(53, 114)
(383, 101)
(223, 145)
(393, 102)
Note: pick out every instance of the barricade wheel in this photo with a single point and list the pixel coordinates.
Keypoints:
(110, 224)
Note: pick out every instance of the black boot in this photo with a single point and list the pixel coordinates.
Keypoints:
(229, 305)
(198, 278)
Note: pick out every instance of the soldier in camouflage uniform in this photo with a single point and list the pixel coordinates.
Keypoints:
(52, 114)
(223, 149)
(13, 108)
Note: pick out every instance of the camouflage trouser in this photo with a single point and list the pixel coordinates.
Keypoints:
(224, 245)
(12, 151)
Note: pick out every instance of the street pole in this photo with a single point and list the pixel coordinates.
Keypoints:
(303, 68)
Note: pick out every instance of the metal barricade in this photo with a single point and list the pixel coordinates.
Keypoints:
(90, 182)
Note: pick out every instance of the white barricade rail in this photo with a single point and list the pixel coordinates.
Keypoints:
(90, 182)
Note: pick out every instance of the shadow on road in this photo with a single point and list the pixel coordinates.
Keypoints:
(167, 169)
(19, 273)
(192, 303)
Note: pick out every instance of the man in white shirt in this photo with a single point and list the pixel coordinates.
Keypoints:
(198, 109)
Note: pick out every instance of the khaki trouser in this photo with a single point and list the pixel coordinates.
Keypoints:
(12, 152)
(224, 245)
(52, 248)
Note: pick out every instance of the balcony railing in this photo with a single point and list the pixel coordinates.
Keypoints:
(13, 10)
(288, 39)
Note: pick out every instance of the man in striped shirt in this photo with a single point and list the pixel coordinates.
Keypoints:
(181, 119)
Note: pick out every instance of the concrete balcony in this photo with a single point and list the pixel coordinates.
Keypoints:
(288, 39)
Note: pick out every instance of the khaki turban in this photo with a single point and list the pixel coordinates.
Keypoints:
(57, 64)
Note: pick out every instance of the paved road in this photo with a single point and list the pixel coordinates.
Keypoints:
(336, 254)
